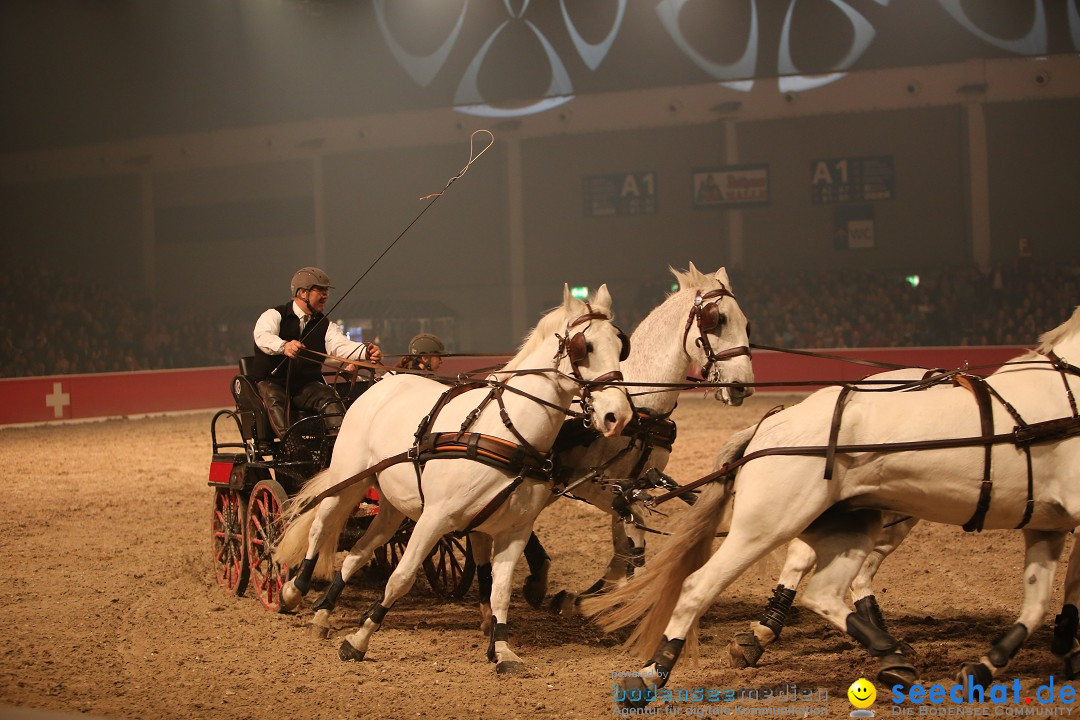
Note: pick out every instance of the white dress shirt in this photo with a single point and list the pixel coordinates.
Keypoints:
(337, 343)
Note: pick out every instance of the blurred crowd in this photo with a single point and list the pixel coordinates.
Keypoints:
(58, 325)
(946, 307)
(875, 308)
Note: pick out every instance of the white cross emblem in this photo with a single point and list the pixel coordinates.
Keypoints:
(58, 400)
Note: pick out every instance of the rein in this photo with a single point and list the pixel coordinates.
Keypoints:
(615, 379)
(1048, 431)
(828, 356)
(645, 430)
(1022, 436)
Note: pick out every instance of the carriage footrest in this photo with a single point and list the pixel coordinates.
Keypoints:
(222, 466)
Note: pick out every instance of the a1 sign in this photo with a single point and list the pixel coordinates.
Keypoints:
(858, 179)
(625, 194)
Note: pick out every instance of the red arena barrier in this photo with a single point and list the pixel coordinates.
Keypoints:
(78, 397)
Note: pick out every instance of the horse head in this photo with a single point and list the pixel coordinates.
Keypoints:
(717, 333)
(593, 347)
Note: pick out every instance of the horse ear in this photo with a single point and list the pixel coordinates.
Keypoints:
(722, 276)
(567, 298)
(602, 298)
(694, 272)
(680, 277)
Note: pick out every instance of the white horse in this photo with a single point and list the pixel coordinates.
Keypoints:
(702, 324)
(504, 429)
(781, 494)
(746, 648)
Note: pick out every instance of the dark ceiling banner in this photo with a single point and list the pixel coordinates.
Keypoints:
(74, 72)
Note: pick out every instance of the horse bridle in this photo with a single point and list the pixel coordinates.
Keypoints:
(707, 315)
(575, 348)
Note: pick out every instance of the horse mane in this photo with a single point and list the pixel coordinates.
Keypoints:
(689, 278)
(554, 321)
(1050, 338)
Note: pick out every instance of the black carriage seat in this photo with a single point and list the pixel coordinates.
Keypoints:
(254, 420)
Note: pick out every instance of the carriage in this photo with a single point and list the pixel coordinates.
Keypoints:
(584, 349)
(254, 477)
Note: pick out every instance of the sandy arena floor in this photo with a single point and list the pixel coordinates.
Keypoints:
(111, 607)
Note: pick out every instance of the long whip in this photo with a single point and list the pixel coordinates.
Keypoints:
(473, 157)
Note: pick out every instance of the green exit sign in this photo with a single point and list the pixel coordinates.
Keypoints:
(581, 292)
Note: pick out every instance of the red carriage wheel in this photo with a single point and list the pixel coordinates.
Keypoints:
(227, 540)
(263, 530)
(450, 567)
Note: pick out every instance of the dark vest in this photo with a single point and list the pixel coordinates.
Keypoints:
(301, 371)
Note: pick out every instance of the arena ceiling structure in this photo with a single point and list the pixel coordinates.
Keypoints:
(151, 89)
(77, 73)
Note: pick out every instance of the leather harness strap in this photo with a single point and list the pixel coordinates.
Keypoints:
(978, 388)
(1023, 436)
(486, 449)
(834, 430)
(1029, 506)
(707, 315)
(375, 469)
(1064, 367)
(490, 508)
(653, 431)
(523, 459)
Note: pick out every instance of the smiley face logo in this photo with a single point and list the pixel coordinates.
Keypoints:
(862, 693)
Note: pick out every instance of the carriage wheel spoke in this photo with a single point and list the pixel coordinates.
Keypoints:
(227, 541)
(264, 512)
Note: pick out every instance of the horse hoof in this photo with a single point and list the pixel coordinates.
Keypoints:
(561, 602)
(1060, 646)
(319, 625)
(534, 589)
(896, 669)
(510, 667)
(347, 652)
(1072, 666)
(745, 650)
(979, 673)
(289, 598)
(1065, 628)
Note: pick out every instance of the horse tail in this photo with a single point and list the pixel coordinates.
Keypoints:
(652, 594)
(293, 545)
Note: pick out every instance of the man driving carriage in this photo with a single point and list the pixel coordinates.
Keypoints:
(283, 371)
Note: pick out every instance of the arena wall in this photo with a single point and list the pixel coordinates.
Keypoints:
(59, 398)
